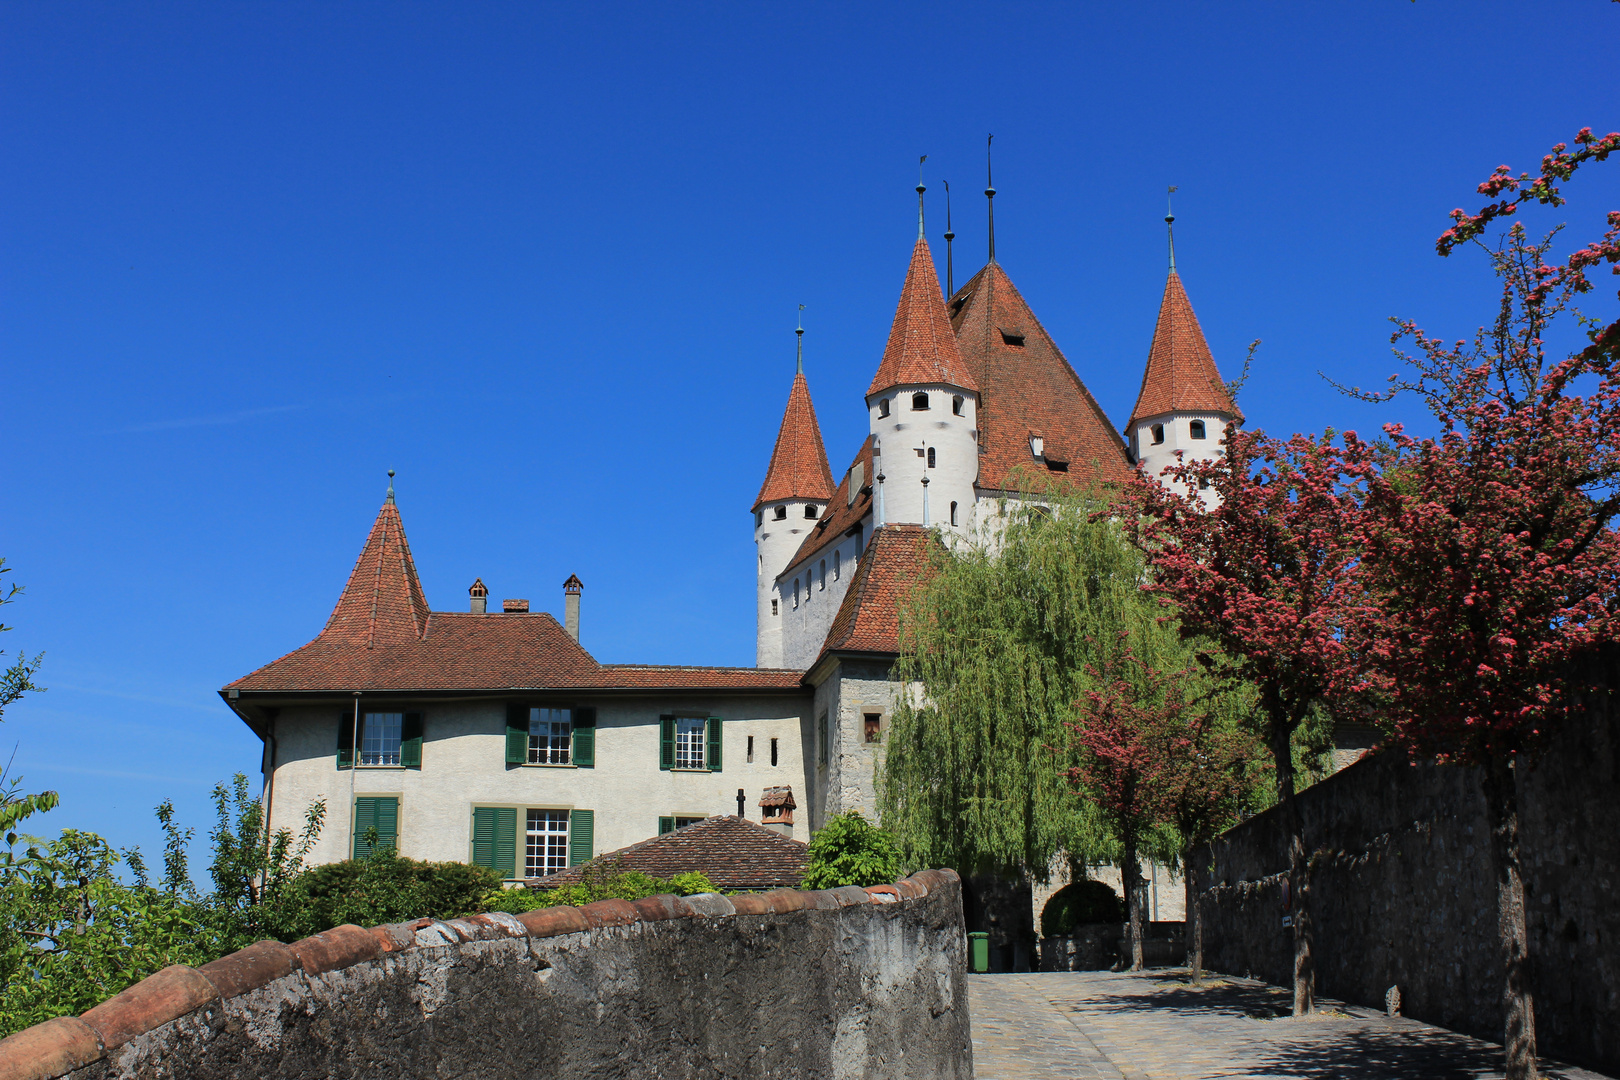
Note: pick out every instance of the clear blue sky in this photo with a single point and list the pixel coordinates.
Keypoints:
(545, 261)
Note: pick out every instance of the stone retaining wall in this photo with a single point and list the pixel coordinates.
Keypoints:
(1404, 893)
(842, 983)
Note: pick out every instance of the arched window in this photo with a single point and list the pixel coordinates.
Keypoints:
(956, 405)
(823, 573)
(953, 513)
(810, 511)
(1158, 434)
(838, 563)
(1196, 429)
(883, 407)
(919, 401)
(930, 457)
(780, 513)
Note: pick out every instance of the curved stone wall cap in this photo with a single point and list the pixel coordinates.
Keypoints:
(335, 949)
(396, 937)
(553, 921)
(883, 894)
(436, 934)
(45, 1051)
(711, 905)
(662, 906)
(752, 904)
(910, 890)
(503, 924)
(150, 1003)
(612, 912)
(821, 900)
(850, 895)
(786, 900)
(258, 965)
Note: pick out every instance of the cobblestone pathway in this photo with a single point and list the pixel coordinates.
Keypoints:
(1154, 1025)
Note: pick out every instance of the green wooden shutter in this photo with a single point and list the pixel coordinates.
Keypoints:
(585, 738)
(714, 744)
(410, 741)
(517, 734)
(666, 825)
(495, 839)
(581, 836)
(380, 812)
(483, 836)
(345, 744)
(666, 742)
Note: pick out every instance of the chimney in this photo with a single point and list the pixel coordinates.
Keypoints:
(571, 589)
(480, 597)
(515, 607)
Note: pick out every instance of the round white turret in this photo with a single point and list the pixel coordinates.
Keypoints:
(1159, 442)
(779, 529)
(930, 455)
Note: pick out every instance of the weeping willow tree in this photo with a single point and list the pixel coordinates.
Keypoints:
(998, 642)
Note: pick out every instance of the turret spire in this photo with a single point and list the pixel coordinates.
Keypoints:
(390, 496)
(1170, 226)
(950, 267)
(922, 348)
(920, 190)
(798, 468)
(800, 332)
(990, 195)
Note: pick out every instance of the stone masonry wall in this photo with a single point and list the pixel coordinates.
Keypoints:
(1404, 893)
(842, 983)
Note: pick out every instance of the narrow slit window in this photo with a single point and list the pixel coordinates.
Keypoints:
(774, 607)
(773, 751)
(931, 457)
(823, 573)
(838, 563)
(795, 592)
(750, 749)
(953, 513)
(956, 405)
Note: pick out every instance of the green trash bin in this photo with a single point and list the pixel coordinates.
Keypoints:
(979, 952)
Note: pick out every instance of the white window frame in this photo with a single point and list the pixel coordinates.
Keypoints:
(389, 723)
(540, 846)
(545, 746)
(685, 758)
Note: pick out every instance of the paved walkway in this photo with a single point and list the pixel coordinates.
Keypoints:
(1154, 1025)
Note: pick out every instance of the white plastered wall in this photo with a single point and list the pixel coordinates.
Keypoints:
(1154, 458)
(904, 432)
(823, 580)
(464, 765)
(775, 543)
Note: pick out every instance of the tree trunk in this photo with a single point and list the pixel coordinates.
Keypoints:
(1195, 919)
(1519, 1034)
(1299, 882)
(1132, 876)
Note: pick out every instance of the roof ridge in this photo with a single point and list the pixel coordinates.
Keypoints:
(843, 511)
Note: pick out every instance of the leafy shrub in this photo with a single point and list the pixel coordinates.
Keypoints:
(607, 881)
(1079, 903)
(849, 850)
(384, 887)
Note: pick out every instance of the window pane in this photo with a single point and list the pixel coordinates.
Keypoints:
(550, 732)
(547, 849)
(379, 738)
(689, 742)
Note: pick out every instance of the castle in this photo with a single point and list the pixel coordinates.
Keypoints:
(496, 738)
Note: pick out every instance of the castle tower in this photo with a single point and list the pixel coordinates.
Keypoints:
(798, 485)
(923, 410)
(1183, 405)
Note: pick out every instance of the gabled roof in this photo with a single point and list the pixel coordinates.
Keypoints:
(735, 854)
(842, 513)
(921, 349)
(869, 618)
(382, 604)
(799, 463)
(1027, 389)
(1181, 374)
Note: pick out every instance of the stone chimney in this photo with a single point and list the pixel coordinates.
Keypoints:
(515, 607)
(479, 594)
(571, 589)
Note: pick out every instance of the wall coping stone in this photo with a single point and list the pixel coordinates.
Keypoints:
(56, 1047)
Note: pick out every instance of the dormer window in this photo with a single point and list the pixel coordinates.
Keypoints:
(810, 511)
(956, 405)
(1037, 445)
(883, 407)
(1158, 434)
(780, 513)
(1015, 338)
(1196, 429)
(919, 402)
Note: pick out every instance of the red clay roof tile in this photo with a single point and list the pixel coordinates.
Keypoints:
(921, 348)
(799, 462)
(869, 618)
(1181, 375)
(735, 854)
(842, 513)
(382, 604)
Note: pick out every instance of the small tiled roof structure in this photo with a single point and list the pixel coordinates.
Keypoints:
(921, 348)
(842, 513)
(383, 637)
(778, 797)
(869, 618)
(1027, 388)
(732, 852)
(1181, 375)
(799, 462)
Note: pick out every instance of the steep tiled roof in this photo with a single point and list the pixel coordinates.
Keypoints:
(869, 618)
(1181, 374)
(660, 676)
(921, 347)
(799, 462)
(735, 854)
(1027, 389)
(841, 514)
(383, 603)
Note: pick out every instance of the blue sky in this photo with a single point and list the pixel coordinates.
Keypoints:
(545, 262)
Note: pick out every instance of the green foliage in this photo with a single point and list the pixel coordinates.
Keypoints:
(849, 850)
(1079, 903)
(256, 877)
(384, 887)
(606, 879)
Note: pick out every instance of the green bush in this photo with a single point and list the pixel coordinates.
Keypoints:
(849, 850)
(384, 887)
(1080, 903)
(603, 881)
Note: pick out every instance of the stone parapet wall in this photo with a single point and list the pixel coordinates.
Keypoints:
(838, 983)
(1404, 893)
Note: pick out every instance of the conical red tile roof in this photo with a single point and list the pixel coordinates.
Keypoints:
(1026, 387)
(921, 347)
(383, 603)
(799, 463)
(1181, 374)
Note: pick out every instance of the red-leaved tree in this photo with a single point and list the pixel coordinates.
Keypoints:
(1269, 575)
(1490, 551)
